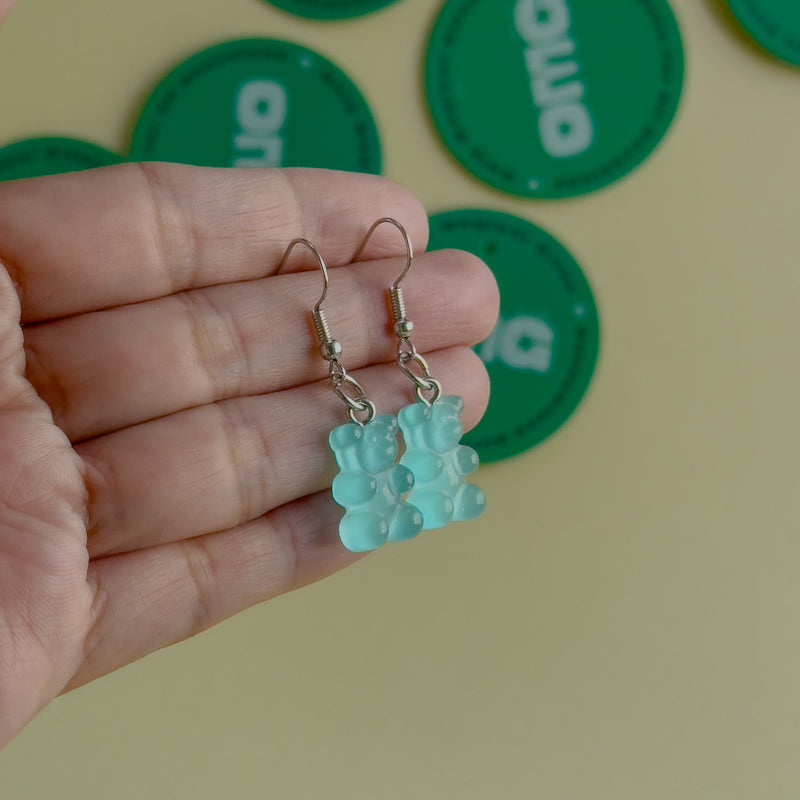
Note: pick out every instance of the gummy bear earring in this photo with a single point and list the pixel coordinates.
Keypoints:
(370, 483)
(431, 426)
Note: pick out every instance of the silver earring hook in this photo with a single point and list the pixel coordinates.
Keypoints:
(406, 241)
(329, 348)
(347, 388)
(402, 325)
(320, 260)
(408, 358)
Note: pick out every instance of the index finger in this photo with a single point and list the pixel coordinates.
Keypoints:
(118, 235)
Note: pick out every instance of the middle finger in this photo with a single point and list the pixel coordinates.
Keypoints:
(107, 370)
(214, 467)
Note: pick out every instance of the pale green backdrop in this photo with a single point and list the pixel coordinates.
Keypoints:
(623, 622)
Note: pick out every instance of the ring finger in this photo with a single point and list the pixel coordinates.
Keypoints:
(223, 464)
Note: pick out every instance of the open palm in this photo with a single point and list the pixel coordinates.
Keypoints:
(163, 410)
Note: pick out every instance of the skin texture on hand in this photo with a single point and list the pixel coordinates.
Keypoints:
(164, 411)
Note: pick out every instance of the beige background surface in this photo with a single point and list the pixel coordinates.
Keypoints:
(623, 622)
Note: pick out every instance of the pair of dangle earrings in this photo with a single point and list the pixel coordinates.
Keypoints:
(386, 500)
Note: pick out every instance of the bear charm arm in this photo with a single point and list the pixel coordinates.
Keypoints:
(466, 460)
(424, 466)
(353, 487)
(402, 479)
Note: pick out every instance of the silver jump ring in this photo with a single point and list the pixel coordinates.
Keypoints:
(422, 383)
(369, 408)
(433, 386)
(356, 401)
(423, 380)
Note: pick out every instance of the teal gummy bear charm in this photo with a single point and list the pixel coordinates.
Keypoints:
(439, 463)
(370, 486)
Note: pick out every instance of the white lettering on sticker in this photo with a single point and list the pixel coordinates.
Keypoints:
(261, 110)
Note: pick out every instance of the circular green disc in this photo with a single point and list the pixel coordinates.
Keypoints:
(258, 103)
(49, 155)
(553, 98)
(330, 9)
(542, 354)
(774, 24)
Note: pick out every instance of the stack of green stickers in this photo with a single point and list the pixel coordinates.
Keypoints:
(50, 155)
(774, 24)
(258, 103)
(542, 354)
(553, 99)
(330, 9)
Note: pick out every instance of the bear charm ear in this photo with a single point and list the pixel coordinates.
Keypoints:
(413, 415)
(343, 436)
(455, 403)
(389, 420)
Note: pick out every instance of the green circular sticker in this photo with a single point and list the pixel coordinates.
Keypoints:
(774, 24)
(258, 103)
(330, 9)
(553, 98)
(50, 155)
(542, 354)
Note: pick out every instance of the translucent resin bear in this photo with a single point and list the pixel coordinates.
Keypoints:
(439, 463)
(370, 486)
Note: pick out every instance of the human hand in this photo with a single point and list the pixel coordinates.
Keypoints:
(163, 407)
